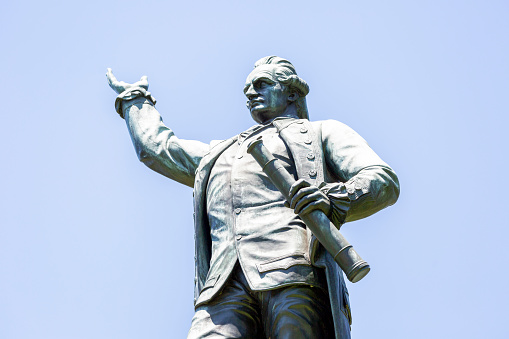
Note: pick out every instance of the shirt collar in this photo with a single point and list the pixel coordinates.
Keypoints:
(256, 128)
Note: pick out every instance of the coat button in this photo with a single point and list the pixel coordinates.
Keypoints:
(238, 210)
(311, 156)
(238, 237)
(303, 130)
(312, 173)
(300, 121)
(307, 141)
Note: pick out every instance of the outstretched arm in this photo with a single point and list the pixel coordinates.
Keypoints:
(155, 144)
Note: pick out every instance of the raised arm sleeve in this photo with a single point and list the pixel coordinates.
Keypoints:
(157, 146)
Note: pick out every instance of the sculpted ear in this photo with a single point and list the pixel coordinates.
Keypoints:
(293, 96)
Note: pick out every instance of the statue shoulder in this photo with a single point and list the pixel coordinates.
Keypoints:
(215, 143)
(330, 126)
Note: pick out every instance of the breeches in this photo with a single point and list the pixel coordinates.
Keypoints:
(296, 311)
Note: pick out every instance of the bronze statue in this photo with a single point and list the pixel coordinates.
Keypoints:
(260, 271)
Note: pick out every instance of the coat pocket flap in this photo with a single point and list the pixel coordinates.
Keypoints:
(283, 263)
(210, 282)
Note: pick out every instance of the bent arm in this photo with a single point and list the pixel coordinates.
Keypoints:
(157, 146)
(363, 183)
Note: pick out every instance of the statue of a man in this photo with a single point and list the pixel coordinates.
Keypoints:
(258, 274)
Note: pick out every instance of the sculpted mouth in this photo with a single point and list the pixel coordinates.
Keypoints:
(255, 102)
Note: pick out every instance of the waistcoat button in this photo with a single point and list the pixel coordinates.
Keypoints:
(312, 173)
(307, 141)
(311, 156)
(238, 237)
(238, 210)
(303, 130)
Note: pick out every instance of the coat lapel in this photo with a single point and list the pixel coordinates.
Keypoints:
(201, 225)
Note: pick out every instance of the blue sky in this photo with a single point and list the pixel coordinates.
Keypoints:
(95, 245)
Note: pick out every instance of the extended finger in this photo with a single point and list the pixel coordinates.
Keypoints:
(300, 194)
(310, 198)
(297, 186)
(112, 80)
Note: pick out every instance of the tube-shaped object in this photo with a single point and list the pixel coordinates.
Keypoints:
(327, 234)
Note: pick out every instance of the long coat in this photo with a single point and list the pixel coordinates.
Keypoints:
(339, 156)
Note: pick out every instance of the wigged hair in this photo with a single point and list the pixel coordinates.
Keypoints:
(287, 76)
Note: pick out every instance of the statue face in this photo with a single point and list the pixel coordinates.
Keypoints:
(267, 98)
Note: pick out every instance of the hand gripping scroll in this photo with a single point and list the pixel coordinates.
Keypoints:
(327, 234)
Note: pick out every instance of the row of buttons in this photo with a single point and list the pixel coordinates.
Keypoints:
(312, 173)
(304, 130)
(311, 156)
(238, 211)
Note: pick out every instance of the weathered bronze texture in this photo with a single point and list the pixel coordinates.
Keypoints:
(253, 240)
(329, 236)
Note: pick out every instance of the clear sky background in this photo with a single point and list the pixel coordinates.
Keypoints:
(95, 245)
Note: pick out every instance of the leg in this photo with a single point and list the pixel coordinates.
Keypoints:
(297, 312)
(232, 314)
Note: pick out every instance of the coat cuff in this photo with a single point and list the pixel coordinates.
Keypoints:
(340, 202)
(342, 196)
(130, 94)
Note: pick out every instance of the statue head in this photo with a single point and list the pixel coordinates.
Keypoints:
(273, 89)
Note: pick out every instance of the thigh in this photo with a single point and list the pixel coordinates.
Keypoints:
(297, 311)
(232, 314)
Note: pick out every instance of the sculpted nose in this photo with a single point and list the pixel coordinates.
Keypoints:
(251, 96)
(251, 93)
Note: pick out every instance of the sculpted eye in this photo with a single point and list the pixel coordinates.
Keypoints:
(261, 83)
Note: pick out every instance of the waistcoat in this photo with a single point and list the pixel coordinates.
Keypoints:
(249, 222)
(305, 145)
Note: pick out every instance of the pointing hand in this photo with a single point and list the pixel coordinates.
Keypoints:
(121, 86)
